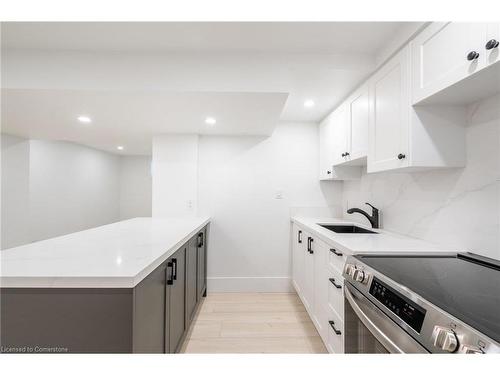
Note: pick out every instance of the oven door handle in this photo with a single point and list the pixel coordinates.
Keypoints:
(397, 340)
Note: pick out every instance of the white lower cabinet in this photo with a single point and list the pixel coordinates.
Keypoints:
(336, 293)
(303, 266)
(317, 278)
(298, 253)
(308, 289)
(320, 287)
(335, 343)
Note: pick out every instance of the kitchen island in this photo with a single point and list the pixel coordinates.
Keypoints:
(130, 286)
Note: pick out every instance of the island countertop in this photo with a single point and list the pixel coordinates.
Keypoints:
(117, 255)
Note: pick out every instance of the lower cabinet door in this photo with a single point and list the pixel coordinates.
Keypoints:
(308, 290)
(202, 270)
(191, 278)
(320, 286)
(149, 313)
(335, 293)
(298, 253)
(335, 333)
(176, 270)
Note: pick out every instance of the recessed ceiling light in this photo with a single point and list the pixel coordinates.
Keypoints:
(309, 103)
(119, 148)
(85, 119)
(210, 120)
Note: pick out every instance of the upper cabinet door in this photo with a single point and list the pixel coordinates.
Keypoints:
(492, 40)
(340, 134)
(359, 112)
(325, 149)
(390, 115)
(445, 53)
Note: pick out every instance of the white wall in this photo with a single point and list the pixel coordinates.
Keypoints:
(175, 175)
(72, 188)
(52, 188)
(135, 186)
(15, 191)
(458, 207)
(239, 178)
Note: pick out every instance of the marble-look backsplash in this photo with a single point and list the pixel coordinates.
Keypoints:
(457, 207)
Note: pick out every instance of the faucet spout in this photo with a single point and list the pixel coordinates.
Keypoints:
(373, 218)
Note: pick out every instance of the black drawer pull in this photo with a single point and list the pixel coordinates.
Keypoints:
(311, 240)
(200, 239)
(332, 324)
(337, 253)
(299, 237)
(332, 280)
(170, 280)
(174, 269)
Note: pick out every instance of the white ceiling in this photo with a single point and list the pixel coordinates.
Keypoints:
(130, 118)
(138, 79)
(324, 37)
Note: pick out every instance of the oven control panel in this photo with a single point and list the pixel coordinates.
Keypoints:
(407, 310)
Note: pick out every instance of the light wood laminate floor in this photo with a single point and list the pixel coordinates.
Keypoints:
(252, 323)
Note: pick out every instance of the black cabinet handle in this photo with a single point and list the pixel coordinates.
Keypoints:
(328, 172)
(343, 154)
(174, 269)
(200, 239)
(332, 280)
(493, 43)
(401, 156)
(308, 244)
(299, 237)
(311, 240)
(332, 324)
(347, 154)
(170, 280)
(473, 55)
(337, 253)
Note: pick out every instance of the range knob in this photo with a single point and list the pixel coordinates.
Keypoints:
(468, 349)
(444, 339)
(349, 269)
(360, 276)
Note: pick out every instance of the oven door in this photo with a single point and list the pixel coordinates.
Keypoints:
(369, 330)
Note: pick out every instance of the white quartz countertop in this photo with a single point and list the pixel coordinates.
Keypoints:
(117, 255)
(364, 243)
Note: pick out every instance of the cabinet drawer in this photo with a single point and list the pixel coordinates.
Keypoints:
(335, 333)
(336, 293)
(336, 259)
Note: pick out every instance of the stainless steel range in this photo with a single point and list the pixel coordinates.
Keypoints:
(439, 303)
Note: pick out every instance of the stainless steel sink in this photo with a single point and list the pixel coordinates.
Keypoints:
(346, 228)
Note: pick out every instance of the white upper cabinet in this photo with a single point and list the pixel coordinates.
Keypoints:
(332, 137)
(359, 113)
(444, 54)
(340, 134)
(350, 129)
(325, 149)
(409, 116)
(407, 138)
(390, 115)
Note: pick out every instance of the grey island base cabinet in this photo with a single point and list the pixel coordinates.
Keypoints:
(152, 317)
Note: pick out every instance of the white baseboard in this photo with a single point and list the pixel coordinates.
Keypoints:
(249, 284)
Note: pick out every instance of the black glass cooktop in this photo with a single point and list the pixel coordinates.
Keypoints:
(466, 286)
